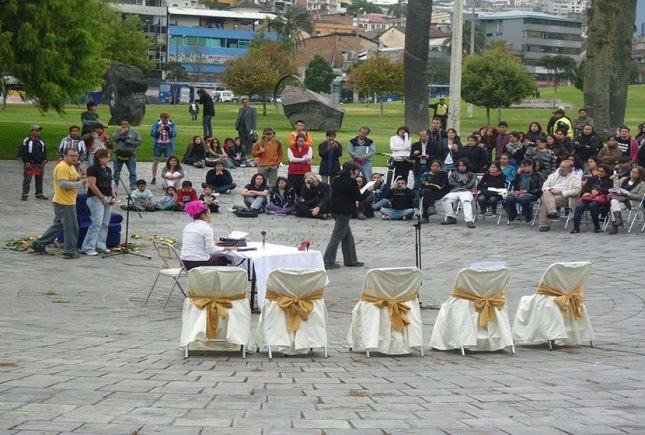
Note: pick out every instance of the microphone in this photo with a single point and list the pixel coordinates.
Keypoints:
(264, 234)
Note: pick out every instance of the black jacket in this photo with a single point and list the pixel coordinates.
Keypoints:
(287, 200)
(535, 185)
(585, 146)
(401, 199)
(344, 195)
(207, 101)
(329, 163)
(318, 196)
(477, 156)
(33, 151)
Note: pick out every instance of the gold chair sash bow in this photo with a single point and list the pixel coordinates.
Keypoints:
(295, 308)
(216, 307)
(485, 306)
(397, 309)
(576, 298)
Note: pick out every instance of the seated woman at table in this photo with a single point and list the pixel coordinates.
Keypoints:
(198, 246)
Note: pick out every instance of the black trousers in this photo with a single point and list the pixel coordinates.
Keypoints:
(342, 234)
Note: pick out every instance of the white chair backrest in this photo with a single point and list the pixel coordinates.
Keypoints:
(567, 276)
(392, 282)
(484, 282)
(296, 282)
(217, 281)
(166, 252)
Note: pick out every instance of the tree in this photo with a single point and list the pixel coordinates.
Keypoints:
(495, 79)
(362, 7)
(259, 70)
(415, 64)
(125, 40)
(378, 76)
(480, 39)
(319, 75)
(621, 61)
(579, 76)
(291, 26)
(398, 9)
(560, 68)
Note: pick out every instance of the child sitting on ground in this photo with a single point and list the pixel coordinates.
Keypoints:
(209, 198)
(186, 194)
(141, 198)
(169, 200)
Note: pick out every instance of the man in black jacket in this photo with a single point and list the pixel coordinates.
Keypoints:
(401, 202)
(208, 111)
(420, 153)
(586, 144)
(344, 196)
(527, 188)
(315, 198)
(34, 157)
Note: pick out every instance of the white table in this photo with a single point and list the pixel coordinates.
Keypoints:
(261, 262)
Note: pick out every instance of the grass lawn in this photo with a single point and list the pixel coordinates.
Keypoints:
(16, 119)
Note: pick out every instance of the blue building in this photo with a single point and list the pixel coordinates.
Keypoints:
(203, 40)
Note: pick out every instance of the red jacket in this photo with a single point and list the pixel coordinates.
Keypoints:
(186, 197)
(299, 168)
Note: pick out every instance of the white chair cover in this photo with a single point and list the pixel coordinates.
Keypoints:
(457, 324)
(371, 327)
(272, 324)
(540, 319)
(217, 282)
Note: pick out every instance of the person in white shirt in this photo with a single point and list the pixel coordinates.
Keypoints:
(400, 146)
(198, 246)
(556, 191)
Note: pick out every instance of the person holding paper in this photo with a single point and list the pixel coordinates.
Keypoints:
(400, 146)
(494, 178)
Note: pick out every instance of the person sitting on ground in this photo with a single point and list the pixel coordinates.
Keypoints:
(594, 195)
(587, 143)
(141, 198)
(628, 194)
(476, 155)
(255, 193)
(314, 202)
(434, 185)
(493, 179)
(505, 166)
(195, 153)
(215, 152)
(172, 174)
(220, 178)
(300, 158)
(198, 241)
(623, 167)
(330, 152)
(378, 196)
(461, 182)
(186, 194)
(401, 202)
(235, 152)
(527, 188)
(363, 208)
(208, 197)
(558, 188)
(610, 154)
(543, 154)
(282, 198)
(168, 201)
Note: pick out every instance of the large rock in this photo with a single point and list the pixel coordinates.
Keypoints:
(125, 90)
(318, 112)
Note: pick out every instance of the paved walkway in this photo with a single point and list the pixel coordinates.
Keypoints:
(81, 353)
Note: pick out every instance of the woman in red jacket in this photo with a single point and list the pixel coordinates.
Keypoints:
(300, 157)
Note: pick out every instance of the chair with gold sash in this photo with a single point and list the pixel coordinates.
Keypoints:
(387, 319)
(294, 316)
(217, 313)
(556, 313)
(475, 316)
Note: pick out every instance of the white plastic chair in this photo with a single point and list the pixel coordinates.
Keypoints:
(227, 288)
(372, 327)
(292, 285)
(539, 318)
(635, 214)
(168, 255)
(458, 323)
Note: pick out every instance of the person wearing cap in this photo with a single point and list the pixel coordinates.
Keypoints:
(89, 118)
(559, 121)
(268, 155)
(247, 124)
(163, 133)
(440, 111)
(582, 120)
(96, 140)
(33, 154)
(623, 167)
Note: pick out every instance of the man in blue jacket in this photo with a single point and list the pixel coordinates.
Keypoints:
(163, 133)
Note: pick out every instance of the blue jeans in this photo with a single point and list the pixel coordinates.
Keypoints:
(206, 124)
(162, 149)
(594, 211)
(256, 203)
(525, 202)
(397, 215)
(485, 201)
(366, 169)
(98, 230)
(131, 164)
(224, 188)
(384, 202)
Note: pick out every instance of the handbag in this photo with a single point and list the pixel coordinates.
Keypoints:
(600, 199)
(124, 154)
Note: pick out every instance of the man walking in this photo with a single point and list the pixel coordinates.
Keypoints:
(208, 111)
(66, 181)
(33, 153)
(126, 142)
(246, 125)
(163, 133)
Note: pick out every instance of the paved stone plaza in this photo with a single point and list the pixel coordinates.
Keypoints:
(80, 353)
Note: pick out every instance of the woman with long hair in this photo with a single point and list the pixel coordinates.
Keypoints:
(282, 198)
(400, 146)
(628, 193)
(172, 174)
(195, 153)
(594, 195)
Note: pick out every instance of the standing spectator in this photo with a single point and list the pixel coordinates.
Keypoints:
(300, 129)
(315, 199)
(450, 147)
(195, 153)
(66, 181)
(282, 198)
(545, 156)
(126, 142)
(502, 139)
(440, 111)
(582, 120)
(436, 134)
(255, 193)
(527, 188)
(300, 157)
(220, 178)
(420, 156)
(556, 191)
(461, 182)
(610, 154)
(247, 124)
(489, 139)
(163, 133)
(89, 118)
(193, 109)
(73, 141)
(435, 186)
(587, 143)
(172, 174)
(268, 155)
(476, 156)
(33, 154)
(401, 202)
(559, 121)
(400, 147)
(96, 140)
(329, 151)
(362, 149)
(208, 111)
(345, 194)
(101, 196)
(627, 143)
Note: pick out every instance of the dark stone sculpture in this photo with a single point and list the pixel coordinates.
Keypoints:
(125, 90)
(318, 112)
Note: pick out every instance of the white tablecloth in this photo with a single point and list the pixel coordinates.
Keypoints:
(264, 260)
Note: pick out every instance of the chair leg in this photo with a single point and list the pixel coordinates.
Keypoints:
(550, 344)
(350, 348)
(421, 350)
(591, 343)
(170, 294)
(180, 287)
(325, 352)
(367, 352)
(463, 352)
(152, 288)
(186, 350)
(513, 349)
(270, 354)
(243, 352)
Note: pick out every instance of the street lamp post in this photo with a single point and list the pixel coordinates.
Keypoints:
(455, 65)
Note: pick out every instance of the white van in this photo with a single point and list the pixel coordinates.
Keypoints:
(225, 96)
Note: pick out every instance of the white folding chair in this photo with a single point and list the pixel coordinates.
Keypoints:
(635, 214)
(294, 316)
(387, 319)
(475, 316)
(550, 315)
(217, 313)
(168, 255)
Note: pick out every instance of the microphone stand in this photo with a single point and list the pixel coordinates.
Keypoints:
(264, 237)
(125, 250)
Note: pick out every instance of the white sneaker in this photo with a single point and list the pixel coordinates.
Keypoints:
(90, 253)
